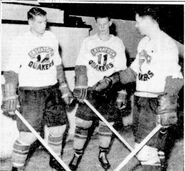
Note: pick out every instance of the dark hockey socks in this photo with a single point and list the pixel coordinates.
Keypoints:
(73, 165)
(103, 158)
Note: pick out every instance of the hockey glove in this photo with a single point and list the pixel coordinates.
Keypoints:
(173, 86)
(167, 114)
(106, 82)
(80, 93)
(10, 98)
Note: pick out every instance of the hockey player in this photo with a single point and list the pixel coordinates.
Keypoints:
(35, 68)
(100, 55)
(158, 81)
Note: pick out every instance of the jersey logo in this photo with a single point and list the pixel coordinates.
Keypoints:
(144, 57)
(102, 56)
(41, 58)
(145, 76)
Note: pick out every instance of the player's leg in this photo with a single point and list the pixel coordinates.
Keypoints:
(111, 113)
(144, 121)
(105, 135)
(55, 118)
(30, 110)
(20, 150)
(83, 123)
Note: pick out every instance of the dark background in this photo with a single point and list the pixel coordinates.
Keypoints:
(171, 16)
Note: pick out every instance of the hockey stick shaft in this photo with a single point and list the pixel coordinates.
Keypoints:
(140, 146)
(108, 124)
(42, 141)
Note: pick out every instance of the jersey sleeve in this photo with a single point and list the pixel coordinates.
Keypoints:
(57, 57)
(120, 63)
(15, 58)
(135, 64)
(81, 58)
(170, 60)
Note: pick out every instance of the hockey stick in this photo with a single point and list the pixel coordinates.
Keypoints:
(42, 141)
(108, 124)
(140, 146)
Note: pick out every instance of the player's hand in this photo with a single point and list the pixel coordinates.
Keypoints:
(173, 86)
(121, 100)
(68, 98)
(67, 95)
(80, 93)
(167, 119)
(103, 84)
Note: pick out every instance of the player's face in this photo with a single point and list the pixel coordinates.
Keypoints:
(38, 24)
(103, 25)
(143, 24)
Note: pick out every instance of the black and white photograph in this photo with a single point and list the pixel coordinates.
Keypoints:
(92, 85)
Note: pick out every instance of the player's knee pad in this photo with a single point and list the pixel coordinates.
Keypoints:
(82, 127)
(57, 130)
(83, 123)
(26, 138)
(148, 155)
(55, 138)
(104, 130)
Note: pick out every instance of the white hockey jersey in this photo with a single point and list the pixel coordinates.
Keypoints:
(35, 59)
(102, 58)
(155, 60)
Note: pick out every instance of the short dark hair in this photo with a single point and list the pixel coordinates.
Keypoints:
(102, 16)
(103, 12)
(35, 11)
(152, 11)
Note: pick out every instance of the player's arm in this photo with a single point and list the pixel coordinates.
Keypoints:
(120, 59)
(10, 73)
(80, 90)
(63, 86)
(124, 76)
(120, 64)
(174, 79)
(167, 110)
(81, 80)
(61, 78)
